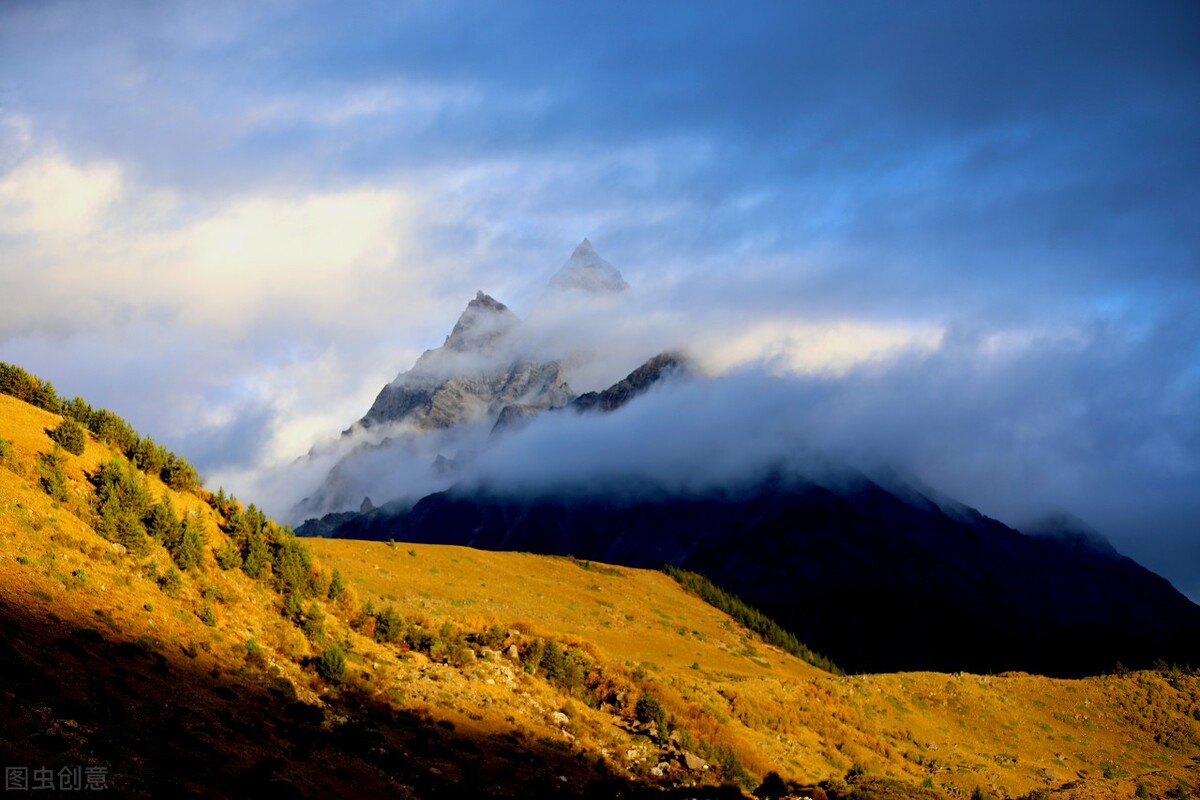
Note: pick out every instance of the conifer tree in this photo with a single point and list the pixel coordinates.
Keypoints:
(53, 479)
(188, 551)
(161, 523)
(69, 435)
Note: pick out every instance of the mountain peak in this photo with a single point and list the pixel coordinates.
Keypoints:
(586, 271)
(484, 320)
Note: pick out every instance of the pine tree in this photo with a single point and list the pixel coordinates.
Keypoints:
(179, 474)
(53, 479)
(77, 409)
(228, 556)
(70, 435)
(149, 456)
(332, 664)
(162, 524)
(44, 396)
(188, 551)
(130, 533)
(255, 556)
(337, 586)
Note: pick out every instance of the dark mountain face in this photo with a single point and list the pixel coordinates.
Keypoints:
(875, 581)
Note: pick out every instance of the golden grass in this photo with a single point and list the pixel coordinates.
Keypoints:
(1007, 734)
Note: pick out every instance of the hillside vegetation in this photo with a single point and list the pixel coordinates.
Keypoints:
(188, 646)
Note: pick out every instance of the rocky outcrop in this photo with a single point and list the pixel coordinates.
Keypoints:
(661, 367)
(664, 365)
(469, 376)
(515, 417)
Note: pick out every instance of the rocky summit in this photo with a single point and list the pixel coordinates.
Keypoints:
(470, 376)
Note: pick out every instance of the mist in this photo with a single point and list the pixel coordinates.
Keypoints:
(1018, 427)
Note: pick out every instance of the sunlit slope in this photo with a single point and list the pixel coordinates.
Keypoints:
(1009, 734)
(213, 688)
(633, 615)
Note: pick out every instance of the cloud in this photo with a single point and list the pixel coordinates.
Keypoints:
(100, 245)
(1017, 426)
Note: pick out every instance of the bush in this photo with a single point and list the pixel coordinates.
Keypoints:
(313, 623)
(171, 582)
(649, 710)
(69, 434)
(1180, 791)
(772, 787)
(255, 654)
(331, 664)
(228, 557)
(207, 615)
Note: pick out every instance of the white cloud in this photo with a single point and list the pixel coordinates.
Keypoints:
(49, 196)
(82, 244)
(814, 347)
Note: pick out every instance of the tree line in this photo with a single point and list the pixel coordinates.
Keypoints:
(770, 631)
(79, 416)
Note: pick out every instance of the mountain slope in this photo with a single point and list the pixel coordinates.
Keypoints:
(1007, 734)
(662, 366)
(210, 684)
(451, 686)
(873, 580)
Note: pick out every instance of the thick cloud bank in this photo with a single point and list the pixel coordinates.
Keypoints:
(1019, 429)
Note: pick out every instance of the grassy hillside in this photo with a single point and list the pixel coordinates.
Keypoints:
(1009, 735)
(362, 669)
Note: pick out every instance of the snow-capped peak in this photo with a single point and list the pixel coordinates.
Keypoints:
(586, 271)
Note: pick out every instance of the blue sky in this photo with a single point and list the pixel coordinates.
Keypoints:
(234, 222)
